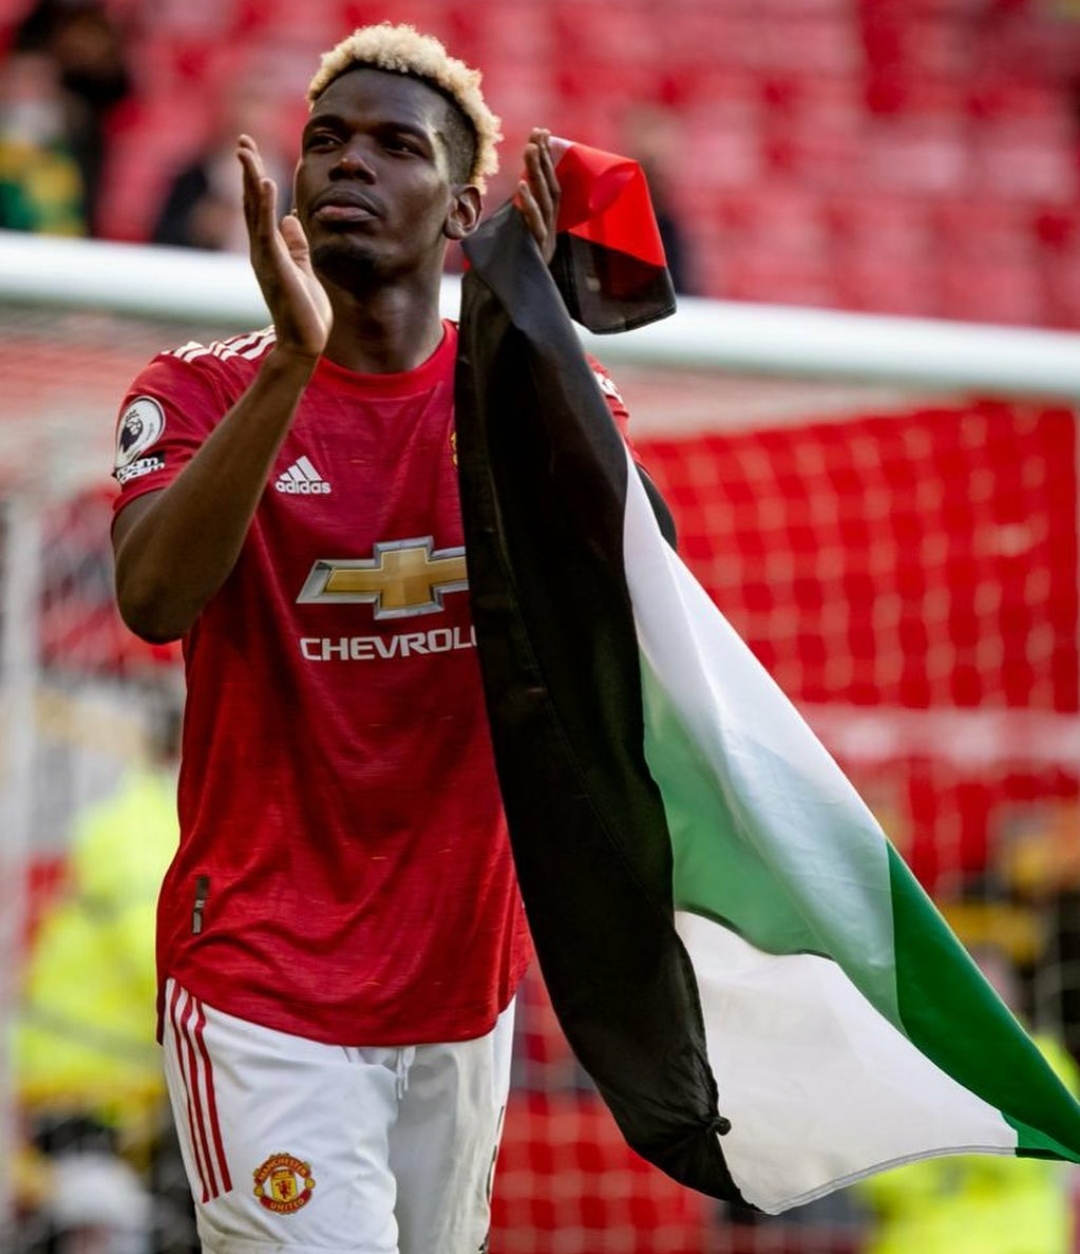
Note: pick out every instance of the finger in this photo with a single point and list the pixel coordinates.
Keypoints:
(540, 166)
(268, 212)
(261, 218)
(551, 179)
(254, 179)
(530, 211)
(541, 139)
(247, 144)
(260, 191)
(537, 177)
(295, 240)
(250, 158)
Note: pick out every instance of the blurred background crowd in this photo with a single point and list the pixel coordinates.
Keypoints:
(907, 156)
(914, 157)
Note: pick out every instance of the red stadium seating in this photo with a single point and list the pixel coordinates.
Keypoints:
(922, 105)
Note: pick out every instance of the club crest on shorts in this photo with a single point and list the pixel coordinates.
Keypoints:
(283, 1184)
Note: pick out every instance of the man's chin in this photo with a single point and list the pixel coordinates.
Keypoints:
(345, 261)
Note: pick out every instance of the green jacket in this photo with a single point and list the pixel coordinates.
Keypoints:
(84, 1038)
(975, 1204)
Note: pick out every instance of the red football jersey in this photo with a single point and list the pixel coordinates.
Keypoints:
(344, 871)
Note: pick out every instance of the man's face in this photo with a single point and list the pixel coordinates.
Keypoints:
(373, 185)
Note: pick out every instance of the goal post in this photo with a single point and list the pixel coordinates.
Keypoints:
(220, 289)
(885, 508)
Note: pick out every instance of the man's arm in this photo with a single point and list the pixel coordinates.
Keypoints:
(175, 548)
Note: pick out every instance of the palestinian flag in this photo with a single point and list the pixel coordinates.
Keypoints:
(767, 1001)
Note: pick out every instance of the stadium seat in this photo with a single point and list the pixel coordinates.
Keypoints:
(1011, 161)
(1002, 291)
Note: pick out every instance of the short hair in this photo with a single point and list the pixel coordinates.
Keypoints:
(401, 49)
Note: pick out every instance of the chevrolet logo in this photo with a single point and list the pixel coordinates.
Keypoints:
(404, 578)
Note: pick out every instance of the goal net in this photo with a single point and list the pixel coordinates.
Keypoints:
(886, 511)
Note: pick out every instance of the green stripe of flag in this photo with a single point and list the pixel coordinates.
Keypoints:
(950, 1013)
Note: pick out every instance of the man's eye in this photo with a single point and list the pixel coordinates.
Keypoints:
(321, 139)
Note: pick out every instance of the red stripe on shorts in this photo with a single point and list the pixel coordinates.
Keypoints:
(211, 1101)
(199, 1085)
(179, 1041)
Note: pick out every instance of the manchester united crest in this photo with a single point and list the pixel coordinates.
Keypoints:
(283, 1184)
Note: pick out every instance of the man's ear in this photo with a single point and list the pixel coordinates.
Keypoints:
(464, 215)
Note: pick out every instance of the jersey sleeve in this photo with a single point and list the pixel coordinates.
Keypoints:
(166, 415)
(615, 403)
(621, 414)
(613, 397)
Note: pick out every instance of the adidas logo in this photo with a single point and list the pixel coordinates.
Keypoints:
(301, 479)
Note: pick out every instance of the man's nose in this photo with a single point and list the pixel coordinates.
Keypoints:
(354, 161)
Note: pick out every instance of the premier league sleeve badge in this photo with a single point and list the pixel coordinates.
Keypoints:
(140, 427)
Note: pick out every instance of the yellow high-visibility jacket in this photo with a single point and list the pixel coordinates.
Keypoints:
(976, 1203)
(84, 1036)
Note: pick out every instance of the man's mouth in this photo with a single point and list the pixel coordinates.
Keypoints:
(345, 208)
(344, 213)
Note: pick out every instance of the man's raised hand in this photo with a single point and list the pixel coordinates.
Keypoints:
(281, 260)
(538, 192)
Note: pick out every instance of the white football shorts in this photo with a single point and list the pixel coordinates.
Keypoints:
(290, 1144)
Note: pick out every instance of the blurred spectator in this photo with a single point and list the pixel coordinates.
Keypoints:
(90, 53)
(203, 206)
(978, 1203)
(1037, 849)
(41, 187)
(87, 1072)
(650, 140)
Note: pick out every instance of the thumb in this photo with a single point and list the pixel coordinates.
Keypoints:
(295, 239)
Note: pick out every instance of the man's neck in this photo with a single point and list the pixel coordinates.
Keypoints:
(384, 332)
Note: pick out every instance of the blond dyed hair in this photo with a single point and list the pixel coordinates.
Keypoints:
(403, 50)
